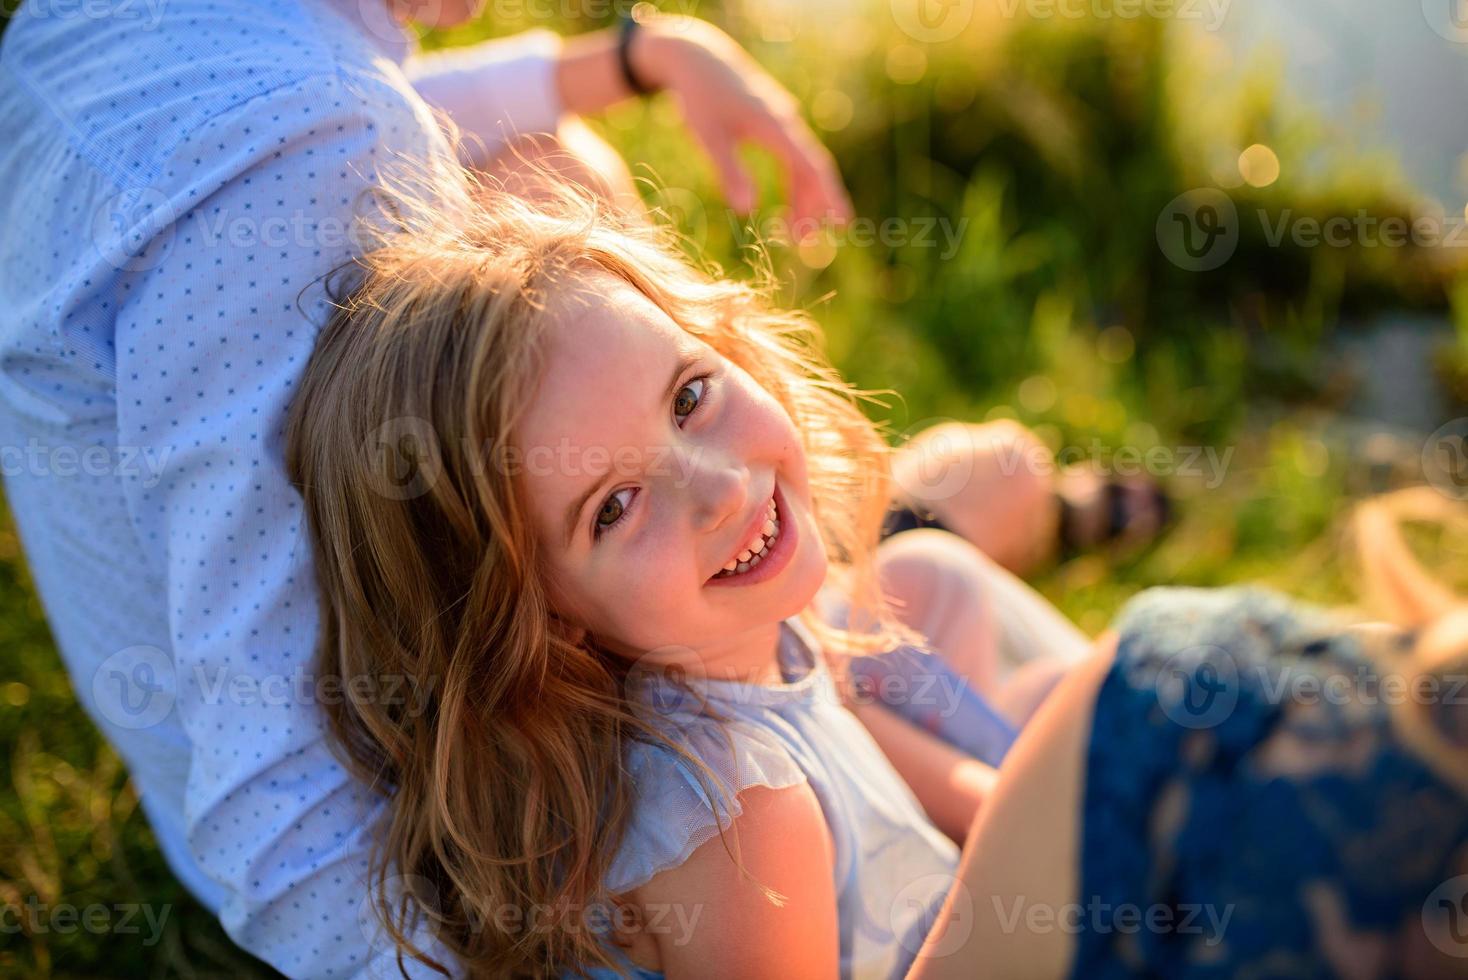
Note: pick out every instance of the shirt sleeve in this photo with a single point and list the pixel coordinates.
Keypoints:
(495, 90)
(220, 313)
(674, 812)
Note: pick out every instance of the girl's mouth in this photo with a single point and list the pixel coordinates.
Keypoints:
(767, 553)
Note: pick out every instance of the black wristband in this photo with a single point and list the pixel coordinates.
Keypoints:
(627, 32)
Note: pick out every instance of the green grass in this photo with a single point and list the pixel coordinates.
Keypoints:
(1054, 147)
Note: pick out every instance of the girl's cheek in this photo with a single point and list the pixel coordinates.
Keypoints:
(758, 413)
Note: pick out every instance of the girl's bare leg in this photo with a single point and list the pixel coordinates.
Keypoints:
(992, 484)
(990, 627)
(1019, 873)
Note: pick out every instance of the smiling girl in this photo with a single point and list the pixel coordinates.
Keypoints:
(610, 516)
(588, 496)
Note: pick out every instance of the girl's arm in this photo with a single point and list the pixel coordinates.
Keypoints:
(708, 920)
(949, 784)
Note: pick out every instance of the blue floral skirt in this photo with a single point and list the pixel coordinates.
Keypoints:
(1251, 809)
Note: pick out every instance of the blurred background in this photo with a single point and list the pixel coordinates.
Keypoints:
(1226, 239)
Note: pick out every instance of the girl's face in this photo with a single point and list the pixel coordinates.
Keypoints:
(650, 462)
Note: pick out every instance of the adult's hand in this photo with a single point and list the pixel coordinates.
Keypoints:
(726, 99)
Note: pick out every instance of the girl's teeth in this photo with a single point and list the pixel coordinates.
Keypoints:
(754, 552)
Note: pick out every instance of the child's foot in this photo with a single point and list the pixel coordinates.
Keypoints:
(997, 486)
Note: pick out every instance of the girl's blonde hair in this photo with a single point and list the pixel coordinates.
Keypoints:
(504, 768)
(1401, 589)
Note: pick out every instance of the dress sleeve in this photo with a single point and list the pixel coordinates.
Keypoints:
(673, 814)
(918, 685)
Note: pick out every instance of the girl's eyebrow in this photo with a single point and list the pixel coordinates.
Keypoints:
(686, 359)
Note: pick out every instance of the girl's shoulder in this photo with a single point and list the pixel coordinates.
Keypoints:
(680, 803)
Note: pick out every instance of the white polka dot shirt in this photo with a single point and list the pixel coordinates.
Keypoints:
(178, 176)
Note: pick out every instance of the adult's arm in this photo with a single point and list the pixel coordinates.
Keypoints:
(209, 344)
(493, 91)
(497, 90)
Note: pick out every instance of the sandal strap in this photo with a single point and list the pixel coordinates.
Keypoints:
(1117, 517)
(900, 518)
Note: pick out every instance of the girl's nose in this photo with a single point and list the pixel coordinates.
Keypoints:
(718, 492)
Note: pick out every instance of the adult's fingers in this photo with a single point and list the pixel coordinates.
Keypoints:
(815, 186)
(734, 179)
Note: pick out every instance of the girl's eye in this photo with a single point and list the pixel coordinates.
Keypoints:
(613, 510)
(611, 513)
(684, 406)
